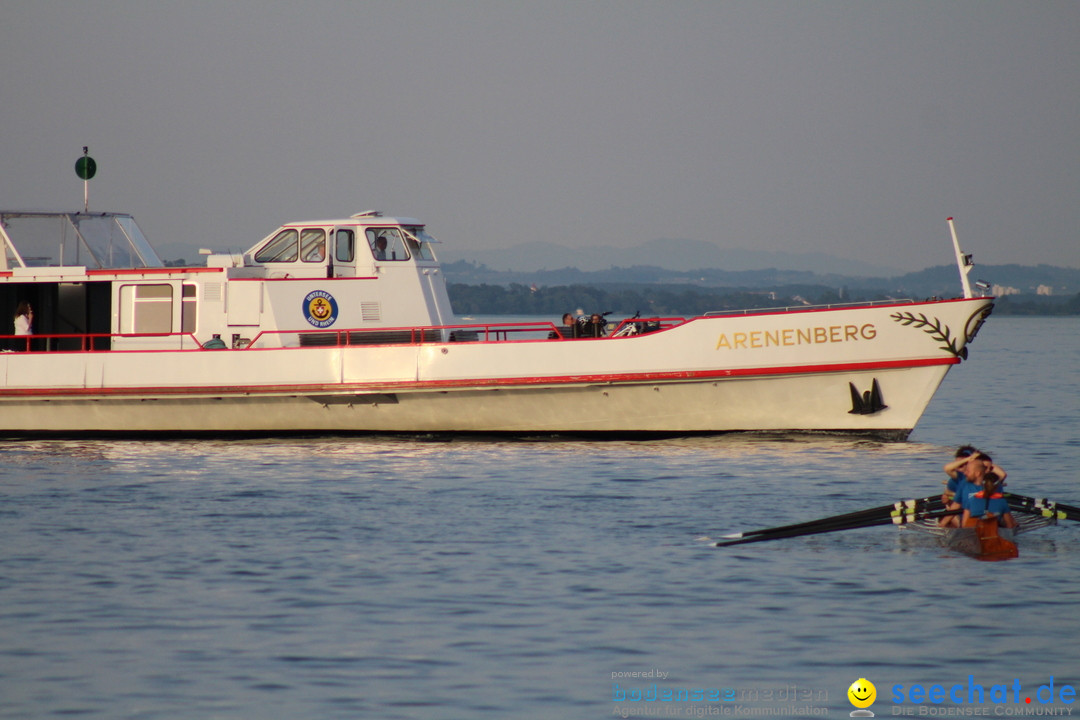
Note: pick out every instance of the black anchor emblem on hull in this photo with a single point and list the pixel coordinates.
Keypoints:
(868, 402)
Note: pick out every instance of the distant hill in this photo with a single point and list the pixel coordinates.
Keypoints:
(672, 254)
(707, 265)
(687, 300)
(939, 281)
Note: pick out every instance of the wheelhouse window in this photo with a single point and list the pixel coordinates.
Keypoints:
(313, 245)
(282, 248)
(146, 309)
(420, 243)
(344, 245)
(387, 244)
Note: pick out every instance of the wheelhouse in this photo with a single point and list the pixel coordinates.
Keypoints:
(357, 247)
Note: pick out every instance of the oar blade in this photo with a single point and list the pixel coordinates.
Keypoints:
(802, 532)
(1041, 506)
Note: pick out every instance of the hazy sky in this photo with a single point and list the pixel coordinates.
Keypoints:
(851, 128)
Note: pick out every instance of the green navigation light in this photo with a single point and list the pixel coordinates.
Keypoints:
(85, 167)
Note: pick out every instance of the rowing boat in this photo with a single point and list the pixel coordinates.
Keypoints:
(985, 541)
(995, 544)
(1024, 524)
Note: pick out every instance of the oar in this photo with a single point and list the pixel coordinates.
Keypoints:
(883, 511)
(896, 517)
(860, 518)
(902, 518)
(1043, 507)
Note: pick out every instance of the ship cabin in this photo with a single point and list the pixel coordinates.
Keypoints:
(95, 283)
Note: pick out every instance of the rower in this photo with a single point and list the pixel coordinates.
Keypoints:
(956, 478)
(952, 469)
(988, 502)
(963, 482)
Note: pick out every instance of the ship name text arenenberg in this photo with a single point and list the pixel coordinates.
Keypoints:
(790, 337)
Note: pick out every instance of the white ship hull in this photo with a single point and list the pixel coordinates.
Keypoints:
(345, 325)
(707, 375)
(688, 407)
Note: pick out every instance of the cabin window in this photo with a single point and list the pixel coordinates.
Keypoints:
(313, 245)
(387, 244)
(189, 309)
(344, 246)
(146, 309)
(420, 243)
(283, 248)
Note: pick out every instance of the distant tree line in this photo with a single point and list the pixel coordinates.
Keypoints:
(667, 300)
(1037, 305)
(517, 299)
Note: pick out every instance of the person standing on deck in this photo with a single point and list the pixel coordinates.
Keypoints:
(24, 319)
(24, 324)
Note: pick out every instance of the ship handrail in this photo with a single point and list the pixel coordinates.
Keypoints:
(438, 334)
(413, 334)
(86, 341)
(342, 337)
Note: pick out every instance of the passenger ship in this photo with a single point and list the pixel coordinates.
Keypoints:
(345, 326)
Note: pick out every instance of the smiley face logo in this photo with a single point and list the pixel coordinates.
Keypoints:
(862, 693)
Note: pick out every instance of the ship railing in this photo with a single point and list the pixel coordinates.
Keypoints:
(98, 342)
(346, 337)
(415, 335)
(460, 333)
(499, 332)
(407, 335)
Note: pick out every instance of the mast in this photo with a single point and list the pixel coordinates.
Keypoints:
(964, 262)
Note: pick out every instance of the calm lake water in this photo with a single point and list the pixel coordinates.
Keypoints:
(427, 577)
